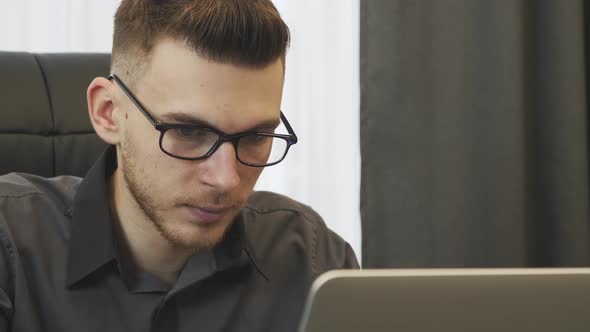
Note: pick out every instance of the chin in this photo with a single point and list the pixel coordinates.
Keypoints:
(198, 237)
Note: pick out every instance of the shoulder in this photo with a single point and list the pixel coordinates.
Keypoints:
(19, 185)
(32, 207)
(275, 212)
(28, 204)
(284, 229)
(26, 195)
(265, 202)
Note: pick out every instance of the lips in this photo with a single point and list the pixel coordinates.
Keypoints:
(208, 215)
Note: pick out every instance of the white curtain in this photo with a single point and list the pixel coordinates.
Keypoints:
(321, 98)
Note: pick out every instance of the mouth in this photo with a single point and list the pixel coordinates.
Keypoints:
(208, 215)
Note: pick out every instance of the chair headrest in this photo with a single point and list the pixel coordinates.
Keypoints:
(44, 124)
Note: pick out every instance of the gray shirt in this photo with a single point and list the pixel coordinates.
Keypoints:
(63, 268)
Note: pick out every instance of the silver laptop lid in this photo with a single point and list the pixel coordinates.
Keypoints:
(458, 300)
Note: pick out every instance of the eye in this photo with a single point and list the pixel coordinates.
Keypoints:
(255, 139)
(189, 132)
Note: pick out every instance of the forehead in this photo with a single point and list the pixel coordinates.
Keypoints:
(229, 97)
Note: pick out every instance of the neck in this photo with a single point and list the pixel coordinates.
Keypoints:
(149, 251)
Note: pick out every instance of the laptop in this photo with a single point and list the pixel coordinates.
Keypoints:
(457, 300)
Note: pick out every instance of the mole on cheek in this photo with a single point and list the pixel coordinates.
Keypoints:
(126, 116)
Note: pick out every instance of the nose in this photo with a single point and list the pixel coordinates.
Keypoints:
(222, 169)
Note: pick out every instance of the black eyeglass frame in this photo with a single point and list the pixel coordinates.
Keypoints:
(162, 127)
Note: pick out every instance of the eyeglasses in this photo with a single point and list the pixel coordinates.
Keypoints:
(196, 142)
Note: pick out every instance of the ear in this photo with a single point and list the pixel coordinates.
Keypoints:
(101, 109)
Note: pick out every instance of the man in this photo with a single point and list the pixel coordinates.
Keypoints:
(164, 233)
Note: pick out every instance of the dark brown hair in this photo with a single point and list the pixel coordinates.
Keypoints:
(242, 32)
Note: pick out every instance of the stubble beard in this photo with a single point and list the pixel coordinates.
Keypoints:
(140, 192)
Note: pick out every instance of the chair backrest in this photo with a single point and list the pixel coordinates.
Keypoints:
(44, 124)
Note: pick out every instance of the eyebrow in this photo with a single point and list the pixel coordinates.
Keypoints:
(183, 118)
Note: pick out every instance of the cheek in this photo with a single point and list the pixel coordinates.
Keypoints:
(144, 135)
(170, 174)
(150, 164)
(249, 176)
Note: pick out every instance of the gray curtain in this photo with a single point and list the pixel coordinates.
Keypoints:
(474, 133)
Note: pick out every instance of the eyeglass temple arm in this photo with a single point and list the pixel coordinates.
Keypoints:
(289, 128)
(133, 99)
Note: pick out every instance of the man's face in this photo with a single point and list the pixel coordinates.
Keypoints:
(192, 203)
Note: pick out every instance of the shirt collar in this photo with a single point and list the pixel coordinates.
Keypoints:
(92, 243)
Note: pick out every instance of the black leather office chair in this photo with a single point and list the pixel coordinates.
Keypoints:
(44, 124)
